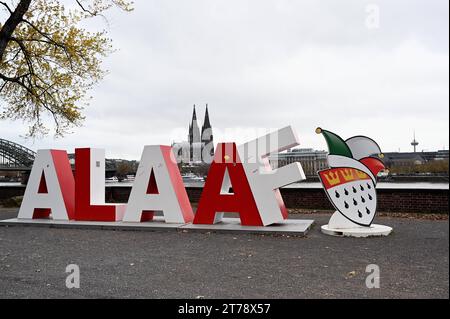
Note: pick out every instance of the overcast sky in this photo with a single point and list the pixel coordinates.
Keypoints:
(265, 64)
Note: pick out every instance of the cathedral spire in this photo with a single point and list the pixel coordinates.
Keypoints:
(194, 129)
(194, 115)
(207, 136)
(206, 123)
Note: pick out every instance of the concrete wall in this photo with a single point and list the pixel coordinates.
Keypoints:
(389, 200)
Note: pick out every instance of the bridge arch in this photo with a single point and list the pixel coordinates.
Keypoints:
(13, 155)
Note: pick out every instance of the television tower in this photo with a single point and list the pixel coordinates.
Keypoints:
(414, 143)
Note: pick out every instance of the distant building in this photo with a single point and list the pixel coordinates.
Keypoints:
(313, 160)
(413, 158)
(310, 159)
(199, 147)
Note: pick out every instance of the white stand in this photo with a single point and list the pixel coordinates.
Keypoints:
(341, 226)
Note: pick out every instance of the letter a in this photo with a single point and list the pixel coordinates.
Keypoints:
(50, 188)
(90, 188)
(158, 187)
(227, 169)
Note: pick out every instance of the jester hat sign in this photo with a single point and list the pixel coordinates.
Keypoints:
(350, 184)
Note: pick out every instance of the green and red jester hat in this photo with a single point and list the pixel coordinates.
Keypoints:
(352, 177)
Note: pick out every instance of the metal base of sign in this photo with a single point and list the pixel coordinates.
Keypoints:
(155, 225)
(372, 231)
(297, 227)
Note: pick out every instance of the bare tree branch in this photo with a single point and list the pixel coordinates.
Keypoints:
(6, 6)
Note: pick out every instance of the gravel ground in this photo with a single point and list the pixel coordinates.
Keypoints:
(413, 263)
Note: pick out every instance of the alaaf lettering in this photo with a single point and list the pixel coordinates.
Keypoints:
(53, 191)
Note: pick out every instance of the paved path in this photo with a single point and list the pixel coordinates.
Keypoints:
(413, 263)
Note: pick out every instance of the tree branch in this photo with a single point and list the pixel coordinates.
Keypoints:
(6, 6)
(10, 25)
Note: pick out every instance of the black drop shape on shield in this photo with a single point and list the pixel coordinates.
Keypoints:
(370, 197)
(337, 194)
(345, 191)
(361, 187)
(367, 211)
(359, 214)
(346, 204)
(355, 202)
(362, 199)
(368, 186)
(354, 190)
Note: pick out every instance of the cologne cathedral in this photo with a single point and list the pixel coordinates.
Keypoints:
(200, 141)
